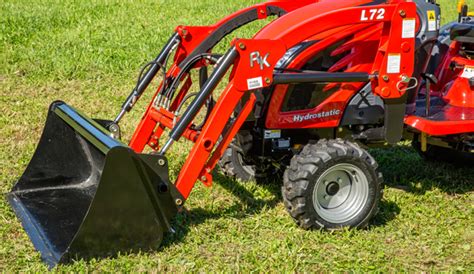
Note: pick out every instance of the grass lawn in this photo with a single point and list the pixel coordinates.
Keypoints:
(88, 53)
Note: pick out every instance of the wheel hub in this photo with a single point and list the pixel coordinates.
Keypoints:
(332, 188)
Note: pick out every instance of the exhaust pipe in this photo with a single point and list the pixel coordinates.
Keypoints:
(85, 194)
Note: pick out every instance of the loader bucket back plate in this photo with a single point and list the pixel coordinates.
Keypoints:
(85, 194)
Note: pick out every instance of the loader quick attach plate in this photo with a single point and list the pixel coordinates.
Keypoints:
(85, 194)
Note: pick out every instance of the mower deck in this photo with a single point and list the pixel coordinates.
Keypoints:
(443, 118)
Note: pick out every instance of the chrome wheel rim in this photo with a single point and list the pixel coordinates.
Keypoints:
(341, 193)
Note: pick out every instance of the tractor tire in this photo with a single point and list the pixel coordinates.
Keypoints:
(233, 163)
(332, 184)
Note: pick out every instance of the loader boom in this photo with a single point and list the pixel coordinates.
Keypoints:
(254, 62)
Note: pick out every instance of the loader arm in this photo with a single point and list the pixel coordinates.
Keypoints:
(253, 64)
(193, 42)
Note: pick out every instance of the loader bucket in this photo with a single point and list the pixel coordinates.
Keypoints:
(85, 194)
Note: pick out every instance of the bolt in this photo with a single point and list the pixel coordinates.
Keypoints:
(402, 13)
(385, 78)
(325, 183)
(203, 178)
(152, 144)
(161, 162)
(386, 92)
(178, 202)
(113, 128)
(155, 137)
(406, 47)
(339, 180)
(262, 11)
(242, 46)
(184, 32)
(268, 80)
(326, 197)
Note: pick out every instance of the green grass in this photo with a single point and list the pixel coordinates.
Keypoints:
(88, 53)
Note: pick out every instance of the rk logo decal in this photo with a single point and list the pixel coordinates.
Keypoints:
(255, 57)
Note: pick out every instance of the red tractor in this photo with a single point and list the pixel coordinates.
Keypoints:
(303, 93)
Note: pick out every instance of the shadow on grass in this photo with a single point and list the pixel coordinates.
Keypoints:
(404, 169)
(388, 211)
(249, 205)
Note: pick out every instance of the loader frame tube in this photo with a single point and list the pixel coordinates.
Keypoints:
(296, 78)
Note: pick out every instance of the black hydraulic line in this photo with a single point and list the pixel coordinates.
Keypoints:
(204, 94)
(203, 76)
(185, 98)
(156, 66)
(320, 77)
(169, 92)
(185, 68)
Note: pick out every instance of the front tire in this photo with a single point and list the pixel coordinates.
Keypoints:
(332, 184)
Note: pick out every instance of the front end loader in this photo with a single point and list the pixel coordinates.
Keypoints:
(320, 70)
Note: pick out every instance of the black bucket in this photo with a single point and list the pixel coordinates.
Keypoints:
(85, 194)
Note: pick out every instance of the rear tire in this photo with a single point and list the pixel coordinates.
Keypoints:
(332, 184)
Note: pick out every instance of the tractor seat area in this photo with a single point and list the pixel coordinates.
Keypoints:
(463, 33)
